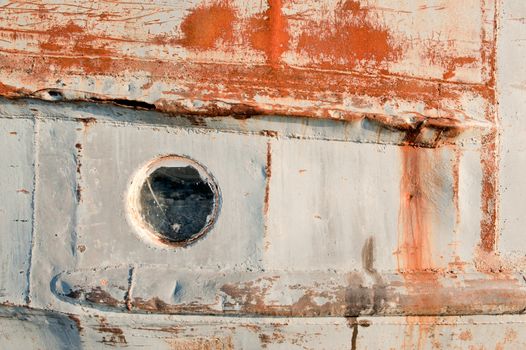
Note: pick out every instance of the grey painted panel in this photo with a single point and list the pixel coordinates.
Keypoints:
(16, 207)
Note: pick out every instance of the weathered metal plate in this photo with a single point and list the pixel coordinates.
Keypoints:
(368, 157)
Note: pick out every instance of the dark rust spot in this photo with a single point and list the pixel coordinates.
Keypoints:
(87, 121)
(99, 296)
(269, 133)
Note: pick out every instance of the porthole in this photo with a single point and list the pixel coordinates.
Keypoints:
(173, 200)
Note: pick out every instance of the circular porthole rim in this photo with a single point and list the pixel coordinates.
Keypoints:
(132, 201)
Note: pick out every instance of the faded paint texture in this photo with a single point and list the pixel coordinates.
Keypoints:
(368, 155)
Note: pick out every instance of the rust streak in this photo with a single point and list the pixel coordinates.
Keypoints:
(266, 200)
(489, 154)
(268, 175)
(414, 246)
(456, 263)
(489, 164)
(268, 33)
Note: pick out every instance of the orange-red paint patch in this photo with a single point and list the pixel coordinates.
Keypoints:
(72, 39)
(205, 26)
(351, 39)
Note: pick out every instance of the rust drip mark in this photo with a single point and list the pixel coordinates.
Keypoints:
(379, 287)
(206, 26)
(353, 323)
(268, 175)
(268, 33)
(266, 201)
(456, 263)
(350, 40)
(489, 153)
(128, 297)
(456, 180)
(489, 203)
(87, 122)
(414, 246)
(78, 161)
(414, 255)
(488, 49)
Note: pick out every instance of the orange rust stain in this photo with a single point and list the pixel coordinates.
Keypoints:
(426, 333)
(465, 335)
(454, 63)
(239, 83)
(72, 39)
(206, 25)
(489, 206)
(414, 254)
(351, 39)
(9, 90)
(443, 54)
(268, 32)
(414, 246)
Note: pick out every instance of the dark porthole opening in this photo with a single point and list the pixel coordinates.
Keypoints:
(178, 201)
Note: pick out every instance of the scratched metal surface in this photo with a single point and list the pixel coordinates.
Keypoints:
(368, 154)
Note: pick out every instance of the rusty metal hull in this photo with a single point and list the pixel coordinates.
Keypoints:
(366, 160)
